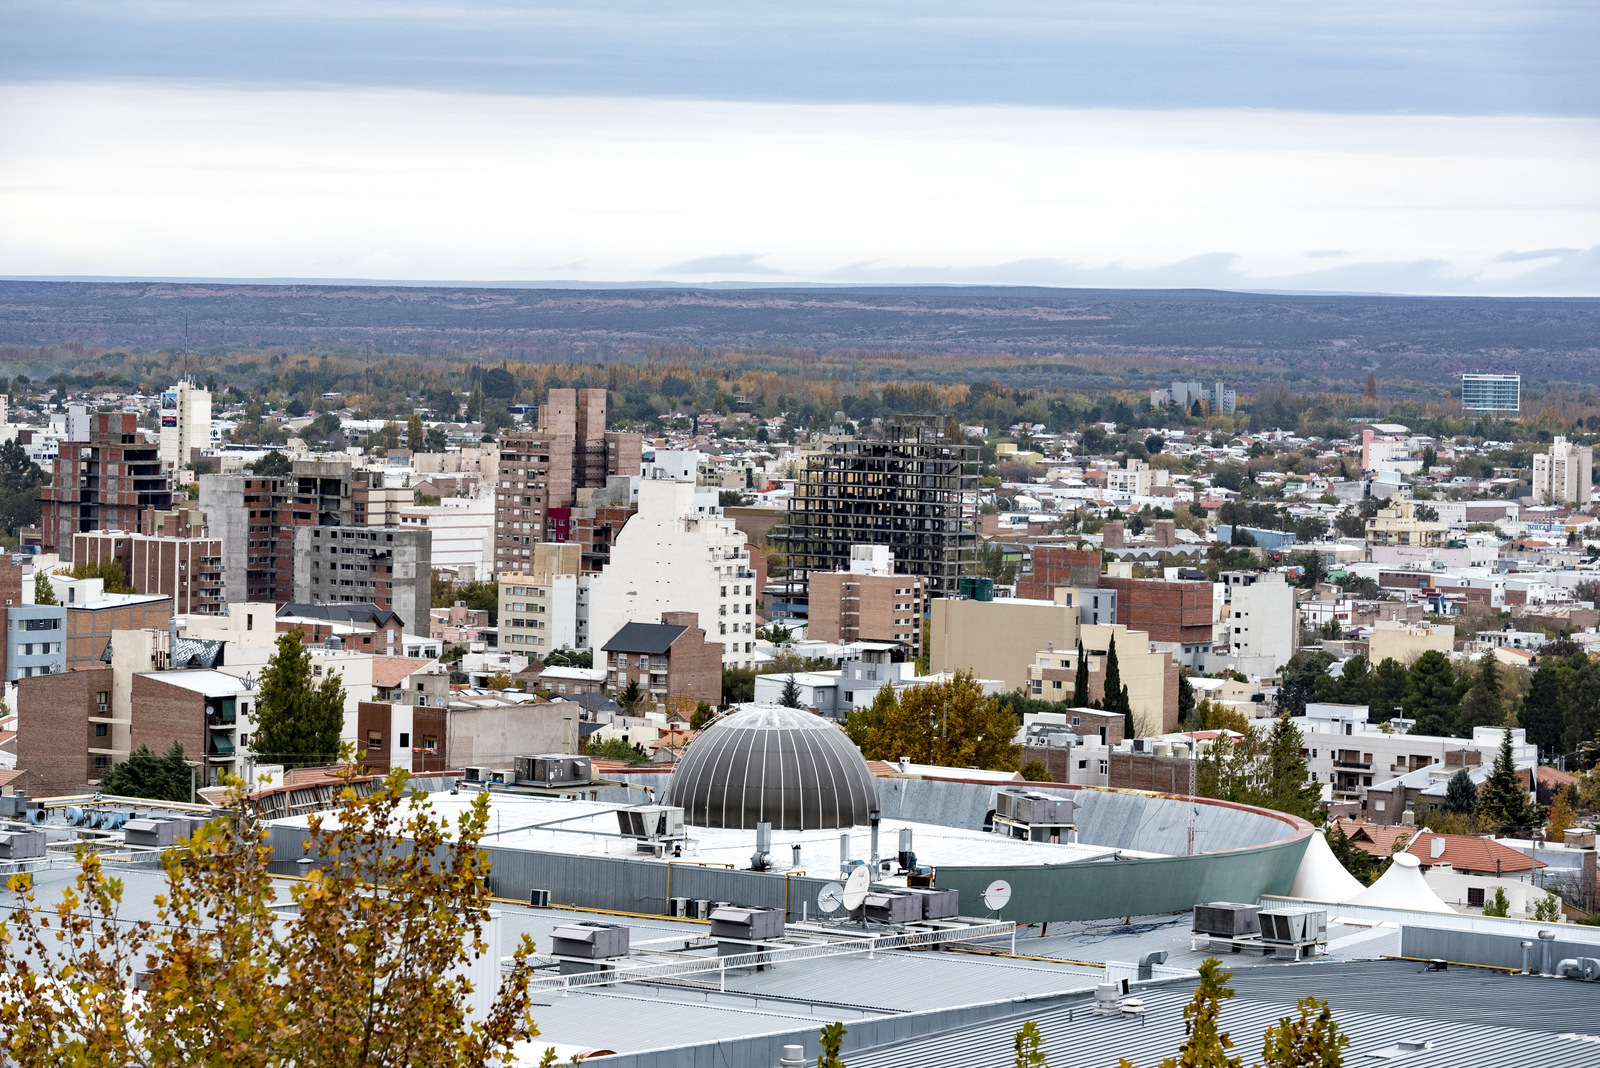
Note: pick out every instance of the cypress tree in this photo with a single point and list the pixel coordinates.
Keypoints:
(1116, 694)
(1503, 803)
(1080, 681)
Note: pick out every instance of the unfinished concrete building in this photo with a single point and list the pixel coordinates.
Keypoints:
(912, 490)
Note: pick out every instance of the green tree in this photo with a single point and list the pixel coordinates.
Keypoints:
(1285, 782)
(1312, 568)
(415, 434)
(614, 749)
(273, 465)
(1387, 690)
(1502, 802)
(1483, 705)
(144, 774)
(108, 570)
(1357, 861)
(1547, 909)
(831, 1041)
(1498, 905)
(1185, 697)
(298, 721)
(1355, 681)
(20, 479)
(703, 715)
(1433, 694)
(1540, 712)
(951, 723)
(43, 591)
(1035, 771)
(1080, 680)
(790, 698)
(1206, 1045)
(631, 697)
(370, 970)
(1115, 698)
(435, 440)
(1029, 1047)
(1310, 1041)
(1299, 679)
(1460, 794)
(1580, 703)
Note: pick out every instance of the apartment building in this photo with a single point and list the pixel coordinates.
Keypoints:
(869, 602)
(1052, 567)
(185, 424)
(393, 735)
(101, 483)
(1261, 622)
(1564, 474)
(1150, 676)
(538, 608)
(673, 661)
(542, 470)
(387, 567)
(92, 615)
(172, 554)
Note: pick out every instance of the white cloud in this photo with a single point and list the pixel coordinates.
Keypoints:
(180, 180)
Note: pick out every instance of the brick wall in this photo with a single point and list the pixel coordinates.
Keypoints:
(1056, 566)
(1167, 611)
(694, 665)
(54, 734)
(89, 628)
(164, 713)
(1139, 771)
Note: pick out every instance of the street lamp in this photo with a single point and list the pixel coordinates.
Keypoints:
(194, 766)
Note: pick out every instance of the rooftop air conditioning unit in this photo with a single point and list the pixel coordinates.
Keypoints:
(553, 770)
(652, 823)
(21, 845)
(1227, 919)
(749, 925)
(893, 907)
(501, 777)
(937, 904)
(590, 940)
(1291, 926)
(475, 774)
(148, 832)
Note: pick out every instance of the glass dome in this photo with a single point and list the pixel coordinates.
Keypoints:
(784, 766)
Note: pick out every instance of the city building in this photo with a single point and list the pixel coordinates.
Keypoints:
(1214, 398)
(172, 554)
(1491, 393)
(64, 728)
(185, 424)
(912, 490)
(673, 661)
(103, 481)
(92, 615)
(542, 470)
(1179, 616)
(387, 567)
(377, 497)
(538, 609)
(869, 602)
(1404, 641)
(1261, 622)
(1398, 527)
(456, 624)
(1151, 677)
(362, 628)
(667, 559)
(393, 735)
(256, 517)
(1052, 567)
(1135, 479)
(998, 639)
(1564, 474)
(490, 729)
(462, 529)
(205, 711)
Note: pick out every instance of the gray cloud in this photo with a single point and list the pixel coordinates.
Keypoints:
(727, 263)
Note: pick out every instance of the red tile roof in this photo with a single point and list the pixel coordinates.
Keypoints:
(1466, 852)
(1376, 838)
(390, 671)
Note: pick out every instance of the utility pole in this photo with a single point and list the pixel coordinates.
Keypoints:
(1194, 762)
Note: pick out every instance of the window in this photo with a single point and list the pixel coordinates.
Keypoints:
(101, 730)
(374, 740)
(1475, 897)
(405, 739)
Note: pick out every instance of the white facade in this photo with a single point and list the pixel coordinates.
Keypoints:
(1565, 474)
(1349, 754)
(1135, 479)
(462, 529)
(1261, 620)
(668, 559)
(539, 610)
(185, 423)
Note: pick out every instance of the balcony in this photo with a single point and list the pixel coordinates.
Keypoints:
(1353, 765)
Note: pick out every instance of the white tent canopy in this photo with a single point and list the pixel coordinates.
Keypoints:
(1402, 887)
(1321, 877)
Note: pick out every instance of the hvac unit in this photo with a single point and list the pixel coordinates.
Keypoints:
(539, 899)
(699, 909)
(1227, 919)
(21, 845)
(678, 906)
(553, 770)
(502, 778)
(937, 904)
(116, 819)
(36, 813)
(8, 807)
(475, 774)
(147, 832)
(653, 823)
(1291, 926)
(1024, 806)
(749, 925)
(886, 907)
(590, 940)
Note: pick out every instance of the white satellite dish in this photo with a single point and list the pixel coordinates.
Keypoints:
(855, 888)
(830, 897)
(996, 896)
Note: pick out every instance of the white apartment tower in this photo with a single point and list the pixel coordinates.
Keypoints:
(668, 559)
(1565, 474)
(185, 423)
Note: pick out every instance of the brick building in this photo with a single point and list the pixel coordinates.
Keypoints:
(92, 614)
(1056, 566)
(390, 735)
(64, 727)
(386, 567)
(542, 470)
(869, 602)
(204, 711)
(171, 554)
(103, 483)
(672, 661)
(362, 628)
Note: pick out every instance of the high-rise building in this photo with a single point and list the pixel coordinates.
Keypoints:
(172, 553)
(542, 470)
(185, 424)
(913, 490)
(539, 606)
(1491, 393)
(868, 603)
(1565, 474)
(381, 566)
(103, 481)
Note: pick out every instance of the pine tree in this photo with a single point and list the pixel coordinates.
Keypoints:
(1207, 1045)
(1356, 861)
(1433, 694)
(298, 723)
(144, 774)
(1386, 693)
(791, 693)
(1503, 803)
(1080, 680)
(1460, 795)
(1116, 695)
(1186, 699)
(1286, 781)
(415, 435)
(43, 592)
(1484, 702)
(1498, 905)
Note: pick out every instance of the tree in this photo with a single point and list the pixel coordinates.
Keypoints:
(631, 697)
(950, 723)
(1433, 694)
(1461, 795)
(614, 749)
(832, 1041)
(791, 693)
(369, 970)
(1115, 698)
(144, 774)
(703, 715)
(1502, 802)
(1559, 820)
(298, 722)
(1029, 1047)
(1207, 1045)
(1299, 679)
(108, 570)
(1311, 1041)
(1185, 697)
(435, 440)
(273, 465)
(43, 591)
(1036, 771)
(20, 479)
(867, 726)
(1357, 861)
(1547, 909)
(1387, 690)
(1497, 905)
(1541, 712)
(1312, 569)
(1483, 705)
(415, 434)
(1286, 785)
(1080, 680)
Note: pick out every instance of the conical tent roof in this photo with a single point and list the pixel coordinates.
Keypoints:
(1321, 877)
(1402, 887)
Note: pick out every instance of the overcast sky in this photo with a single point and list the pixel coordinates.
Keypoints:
(1428, 147)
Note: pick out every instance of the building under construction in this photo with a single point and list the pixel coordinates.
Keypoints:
(913, 490)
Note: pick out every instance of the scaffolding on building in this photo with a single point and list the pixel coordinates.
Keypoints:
(914, 489)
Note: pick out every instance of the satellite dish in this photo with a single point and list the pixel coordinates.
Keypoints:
(996, 896)
(830, 897)
(855, 888)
